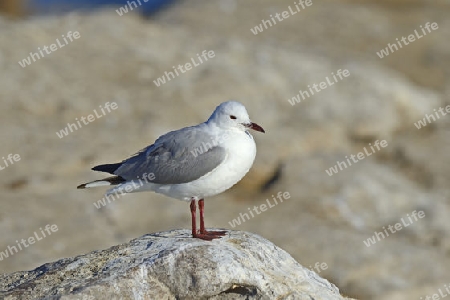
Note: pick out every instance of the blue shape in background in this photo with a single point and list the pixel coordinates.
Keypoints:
(62, 6)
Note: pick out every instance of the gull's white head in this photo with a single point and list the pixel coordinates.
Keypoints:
(232, 114)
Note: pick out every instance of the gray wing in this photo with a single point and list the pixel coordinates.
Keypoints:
(177, 157)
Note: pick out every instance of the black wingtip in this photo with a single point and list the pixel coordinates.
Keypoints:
(108, 168)
(81, 186)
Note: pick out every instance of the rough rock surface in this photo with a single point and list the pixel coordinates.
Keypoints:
(171, 265)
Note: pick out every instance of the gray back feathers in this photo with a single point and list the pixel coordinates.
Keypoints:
(177, 157)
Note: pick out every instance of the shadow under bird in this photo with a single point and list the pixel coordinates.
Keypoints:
(191, 163)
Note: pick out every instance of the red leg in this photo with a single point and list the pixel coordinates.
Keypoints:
(201, 205)
(194, 224)
(203, 234)
(193, 216)
(215, 234)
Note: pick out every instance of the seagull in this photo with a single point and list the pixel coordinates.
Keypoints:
(191, 163)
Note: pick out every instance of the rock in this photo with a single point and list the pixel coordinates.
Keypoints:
(171, 265)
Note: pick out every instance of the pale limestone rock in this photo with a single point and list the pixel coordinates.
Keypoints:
(172, 265)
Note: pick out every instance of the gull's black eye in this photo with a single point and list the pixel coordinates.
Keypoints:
(233, 117)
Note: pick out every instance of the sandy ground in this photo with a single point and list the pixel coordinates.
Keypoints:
(327, 219)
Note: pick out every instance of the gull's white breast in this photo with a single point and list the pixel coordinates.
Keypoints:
(240, 154)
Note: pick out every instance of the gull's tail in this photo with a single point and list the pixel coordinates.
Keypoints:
(114, 180)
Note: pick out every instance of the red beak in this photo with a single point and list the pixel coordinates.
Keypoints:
(255, 126)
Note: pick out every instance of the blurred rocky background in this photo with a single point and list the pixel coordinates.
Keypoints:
(327, 219)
